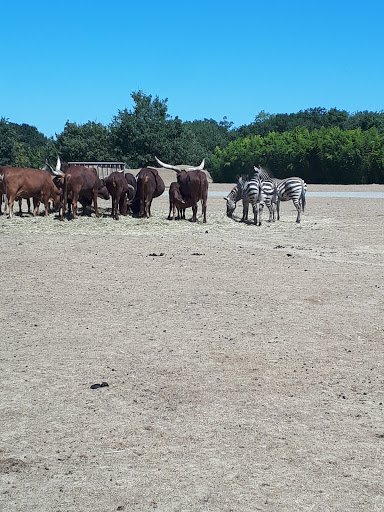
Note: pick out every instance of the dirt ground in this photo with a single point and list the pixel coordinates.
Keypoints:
(244, 364)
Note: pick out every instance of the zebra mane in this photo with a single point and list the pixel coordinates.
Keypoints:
(262, 173)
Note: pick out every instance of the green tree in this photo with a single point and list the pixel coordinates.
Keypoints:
(89, 142)
(139, 134)
(8, 139)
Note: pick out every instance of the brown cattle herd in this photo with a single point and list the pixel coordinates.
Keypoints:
(60, 189)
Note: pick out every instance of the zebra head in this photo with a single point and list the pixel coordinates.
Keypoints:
(235, 194)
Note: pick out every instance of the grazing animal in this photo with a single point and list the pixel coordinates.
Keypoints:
(30, 183)
(80, 181)
(287, 189)
(252, 192)
(236, 194)
(176, 201)
(149, 186)
(118, 188)
(193, 186)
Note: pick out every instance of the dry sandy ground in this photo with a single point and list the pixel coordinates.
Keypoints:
(244, 364)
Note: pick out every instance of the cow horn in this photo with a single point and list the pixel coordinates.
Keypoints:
(174, 168)
(167, 166)
(51, 170)
(198, 168)
(58, 164)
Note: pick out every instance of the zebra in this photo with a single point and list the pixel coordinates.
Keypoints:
(262, 192)
(253, 191)
(287, 189)
(236, 194)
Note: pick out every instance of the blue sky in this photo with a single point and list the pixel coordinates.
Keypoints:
(80, 61)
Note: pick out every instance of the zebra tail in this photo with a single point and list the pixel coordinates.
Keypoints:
(303, 196)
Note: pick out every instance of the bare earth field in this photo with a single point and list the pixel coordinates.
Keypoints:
(245, 364)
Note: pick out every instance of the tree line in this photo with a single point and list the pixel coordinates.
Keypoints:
(319, 145)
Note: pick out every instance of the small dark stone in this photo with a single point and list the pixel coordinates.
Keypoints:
(95, 386)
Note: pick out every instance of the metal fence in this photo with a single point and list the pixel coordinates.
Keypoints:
(104, 169)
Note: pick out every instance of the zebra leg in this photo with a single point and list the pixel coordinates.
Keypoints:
(278, 209)
(271, 211)
(245, 210)
(254, 206)
(298, 208)
(261, 207)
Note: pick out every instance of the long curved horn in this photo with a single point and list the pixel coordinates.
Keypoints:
(198, 168)
(167, 166)
(58, 164)
(174, 168)
(51, 170)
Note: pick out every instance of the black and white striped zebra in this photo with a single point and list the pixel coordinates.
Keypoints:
(258, 192)
(236, 194)
(288, 189)
(255, 192)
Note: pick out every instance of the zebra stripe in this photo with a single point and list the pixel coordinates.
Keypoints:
(288, 189)
(235, 194)
(259, 192)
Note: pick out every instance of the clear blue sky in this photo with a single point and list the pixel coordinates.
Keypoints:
(80, 61)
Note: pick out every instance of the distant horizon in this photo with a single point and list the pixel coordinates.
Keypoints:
(234, 126)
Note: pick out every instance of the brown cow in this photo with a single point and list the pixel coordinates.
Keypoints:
(149, 186)
(79, 181)
(118, 188)
(26, 183)
(193, 186)
(176, 201)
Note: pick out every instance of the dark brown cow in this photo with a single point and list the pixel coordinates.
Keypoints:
(176, 201)
(193, 186)
(149, 186)
(26, 183)
(118, 188)
(86, 201)
(80, 181)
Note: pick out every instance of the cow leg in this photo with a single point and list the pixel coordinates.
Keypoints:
(147, 208)
(29, 205)
(46, 206)
(11, 200)
(35, 207)
(204, 209)
(74, 204)
(123, 205)
(116, 209)
(95, 192)
(20, 201)
(194, 213)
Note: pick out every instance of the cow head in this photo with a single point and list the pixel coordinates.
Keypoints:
(55, 172)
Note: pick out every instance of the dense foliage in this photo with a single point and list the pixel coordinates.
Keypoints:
(319, 145)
